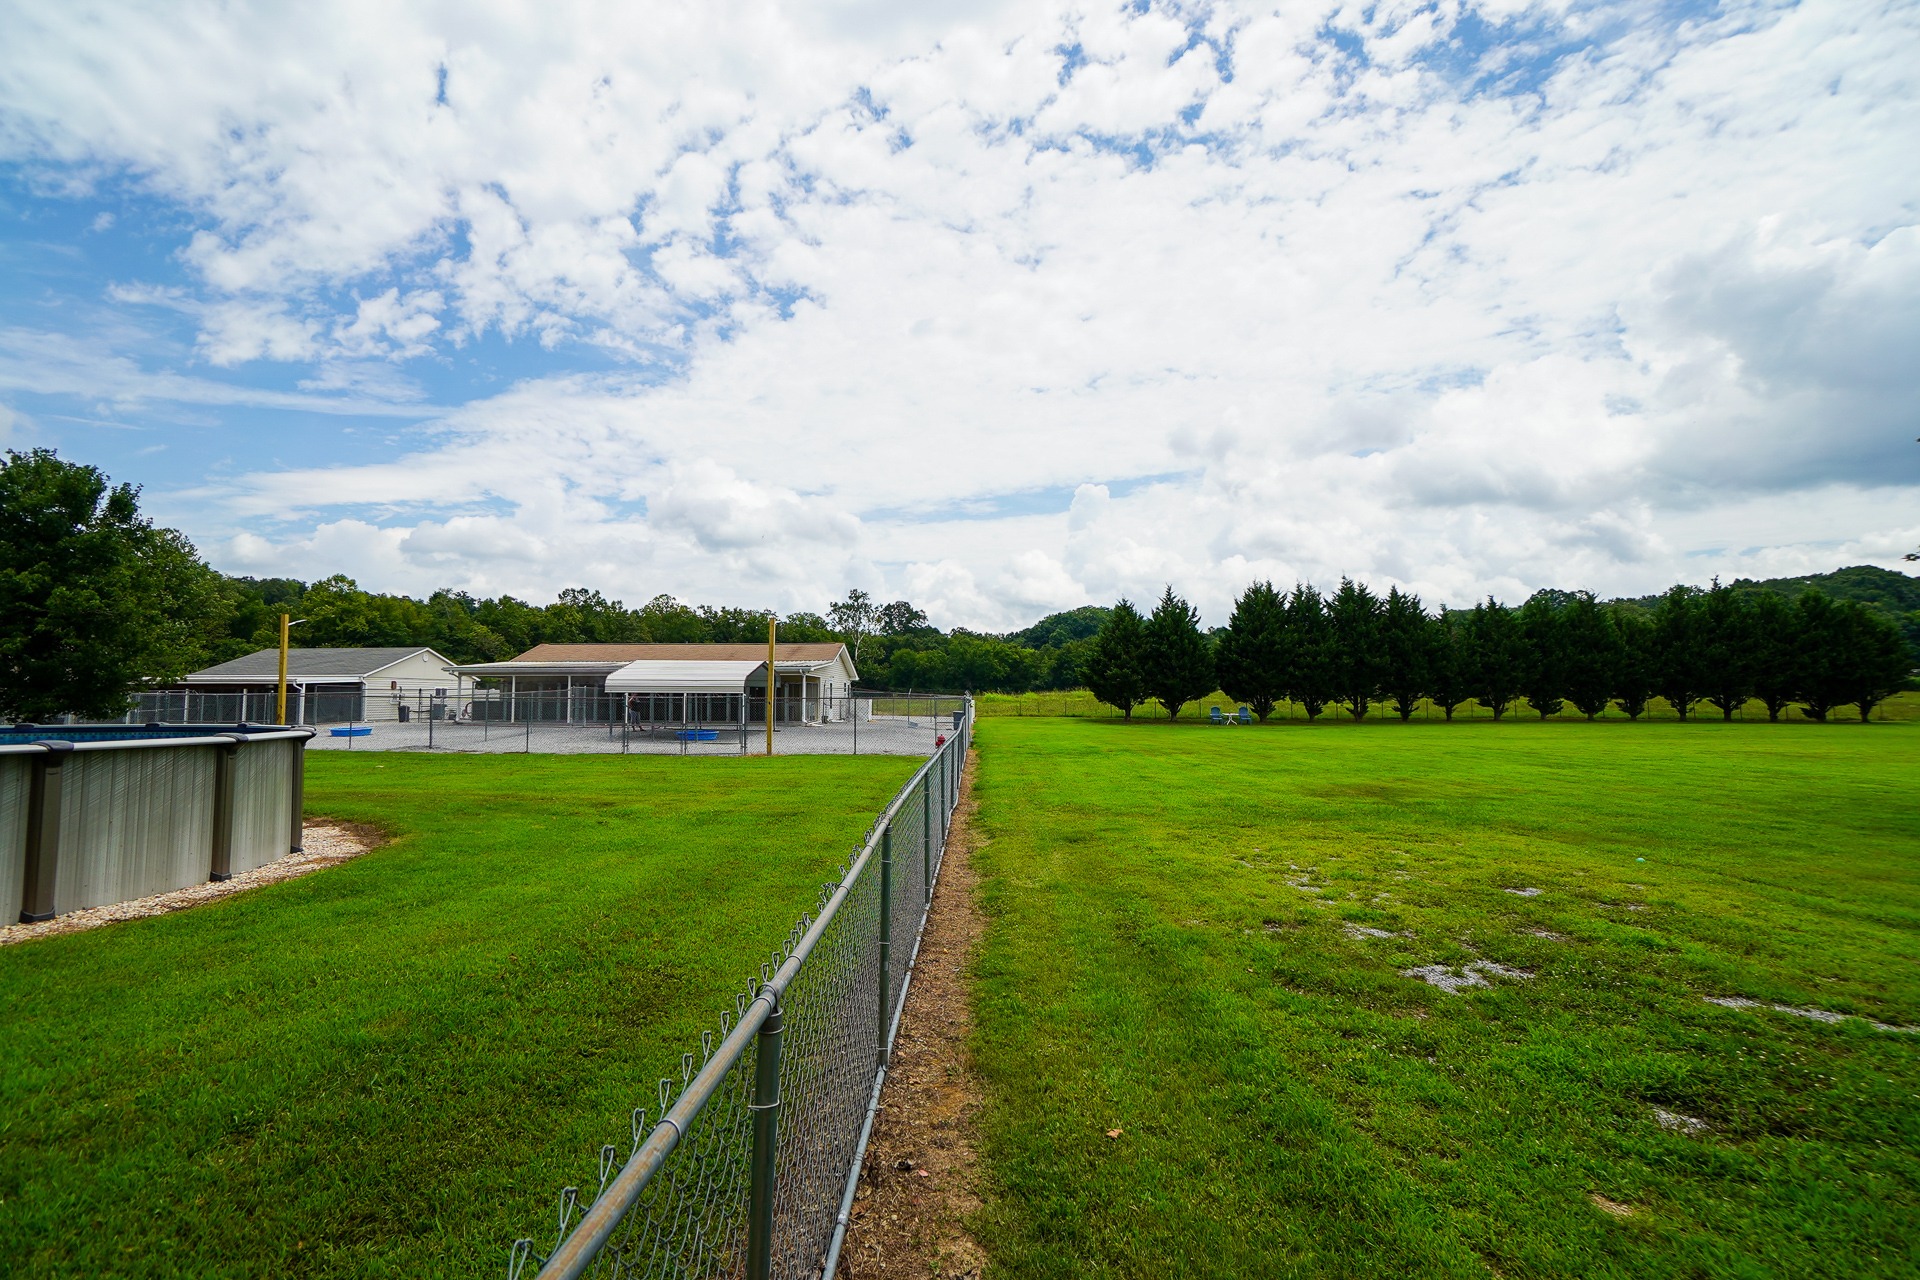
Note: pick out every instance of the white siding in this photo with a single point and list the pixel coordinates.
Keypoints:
(417, 676)
(421, 671)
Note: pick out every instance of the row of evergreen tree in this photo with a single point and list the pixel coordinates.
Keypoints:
(1354, 648)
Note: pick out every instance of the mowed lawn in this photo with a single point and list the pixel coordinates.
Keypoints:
(390, 1068)
(1169, 956)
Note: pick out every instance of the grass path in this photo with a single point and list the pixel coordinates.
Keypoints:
(389, 1068)
(1173, 952)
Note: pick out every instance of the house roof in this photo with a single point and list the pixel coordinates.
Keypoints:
(625, 653)
(341, 664)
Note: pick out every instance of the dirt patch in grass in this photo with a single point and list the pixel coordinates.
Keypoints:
(1817, 1015)
(1451, 980)
(921, 1176)
(325, 844)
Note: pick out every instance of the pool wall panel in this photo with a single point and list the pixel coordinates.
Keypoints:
(263, 802)
(15, 773)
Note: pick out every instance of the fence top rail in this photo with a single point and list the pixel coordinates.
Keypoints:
(574, 1255)
(52, 734)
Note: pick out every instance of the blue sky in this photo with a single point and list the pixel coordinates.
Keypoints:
(1000, 307)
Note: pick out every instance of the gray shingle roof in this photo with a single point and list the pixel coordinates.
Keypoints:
(349, 663)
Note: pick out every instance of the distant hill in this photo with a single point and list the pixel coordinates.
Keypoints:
(1888, 592)
(1057, 629)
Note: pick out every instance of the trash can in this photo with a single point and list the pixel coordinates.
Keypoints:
(958, 716)
(406, 713)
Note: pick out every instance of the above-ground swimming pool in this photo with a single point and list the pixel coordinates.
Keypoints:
(96, 814)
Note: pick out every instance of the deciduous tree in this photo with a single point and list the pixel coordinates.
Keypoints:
(93, 599)
(854, 618)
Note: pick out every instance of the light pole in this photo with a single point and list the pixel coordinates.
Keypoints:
(280, 709)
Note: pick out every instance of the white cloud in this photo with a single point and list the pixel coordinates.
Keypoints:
(1373, 315)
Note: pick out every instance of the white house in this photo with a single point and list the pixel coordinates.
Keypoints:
(323, 685)
(663, 683)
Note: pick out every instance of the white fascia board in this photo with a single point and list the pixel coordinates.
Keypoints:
(437, 656)
(270, 679)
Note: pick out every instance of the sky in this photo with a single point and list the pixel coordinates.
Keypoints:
(1002, 308)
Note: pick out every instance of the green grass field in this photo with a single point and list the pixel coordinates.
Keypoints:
(1168, 955)
(389, 1068)
(1082, 704)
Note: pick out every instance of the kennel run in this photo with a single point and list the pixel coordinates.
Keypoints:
(641, 684)
(660, 684)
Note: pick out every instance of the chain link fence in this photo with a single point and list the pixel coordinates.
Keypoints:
(578, 721)
(750, 1169)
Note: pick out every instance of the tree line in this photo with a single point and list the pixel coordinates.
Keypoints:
(95, 601)
(1718, 647)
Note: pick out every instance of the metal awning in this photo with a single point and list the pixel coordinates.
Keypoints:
(654, 676)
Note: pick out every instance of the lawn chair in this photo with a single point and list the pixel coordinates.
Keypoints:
(1245, 716)
(1213, 715)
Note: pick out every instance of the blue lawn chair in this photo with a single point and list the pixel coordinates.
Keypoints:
(1213, 715)
(1245, 716)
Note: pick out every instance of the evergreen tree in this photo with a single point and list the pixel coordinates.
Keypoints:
(1633, 684)
(1252, 653)
(1501, 656)
(1592, 654)
(1847, 656)
(1546, 670)
(1359, 649)
(1818, 657)
(1878, 663)
(1450, 660)
(1113, 671)
(1728, 648)
(1407, 647)
(1679, 667)
(1776, 670)
(1175, 658)
(1310, 636)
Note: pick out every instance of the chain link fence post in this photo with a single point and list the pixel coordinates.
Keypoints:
(926, 834)
(766, 1136)
(886, 936)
